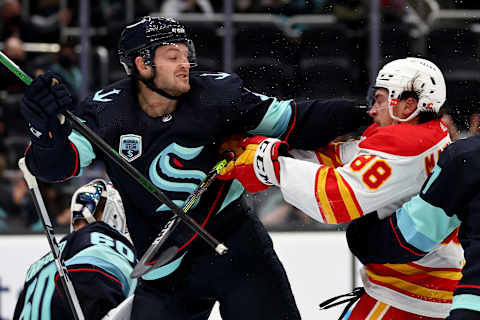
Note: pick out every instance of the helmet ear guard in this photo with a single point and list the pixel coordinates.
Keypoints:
(114, 213)
(413, 74)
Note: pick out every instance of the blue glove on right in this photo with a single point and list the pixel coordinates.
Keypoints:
(40, 106)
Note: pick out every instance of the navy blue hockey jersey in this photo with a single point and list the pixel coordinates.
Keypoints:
(99, 261)
(176, 151)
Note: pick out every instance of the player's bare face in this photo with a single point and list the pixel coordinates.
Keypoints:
(173, 68)
(379, 111)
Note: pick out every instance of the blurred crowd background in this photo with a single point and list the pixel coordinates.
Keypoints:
(285, 48)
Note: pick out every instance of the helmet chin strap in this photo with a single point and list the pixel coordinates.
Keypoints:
(410, 117)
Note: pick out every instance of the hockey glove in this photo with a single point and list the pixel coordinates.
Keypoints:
(41, 104)
(257, 168)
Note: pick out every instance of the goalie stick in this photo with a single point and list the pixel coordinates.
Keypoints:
(52, 241)
(145, 264)
(122, 163)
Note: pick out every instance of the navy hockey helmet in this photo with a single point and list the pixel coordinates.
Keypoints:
(142, 37)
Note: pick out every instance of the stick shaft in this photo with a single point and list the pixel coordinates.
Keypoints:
(126, 166)
(144, 265)
(72, 298)
(135, 174)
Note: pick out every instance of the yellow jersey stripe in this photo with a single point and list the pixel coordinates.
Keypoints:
(347, 197)
(322, 196)
(326, 160)
(411, 288)
(336, 149)
(411, 270)
(378, 311)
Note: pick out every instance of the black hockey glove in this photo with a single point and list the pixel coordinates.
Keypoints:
(41, 104)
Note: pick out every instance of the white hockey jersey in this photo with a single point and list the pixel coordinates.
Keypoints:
(379, 172)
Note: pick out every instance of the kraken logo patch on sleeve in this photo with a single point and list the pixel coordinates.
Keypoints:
(130, 146)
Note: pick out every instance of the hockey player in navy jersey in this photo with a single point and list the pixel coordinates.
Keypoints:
(448, 199)
(168, 122)
(98, 255)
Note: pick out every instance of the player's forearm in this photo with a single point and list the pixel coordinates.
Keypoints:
(467, 291)
(319, 122)
(373, 240)
(406, 236)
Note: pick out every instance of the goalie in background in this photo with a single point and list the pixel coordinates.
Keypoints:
(99, 257)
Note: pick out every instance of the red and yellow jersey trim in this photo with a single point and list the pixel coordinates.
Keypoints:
(453, 237)
(330, 155)
(337, 200)
(420, 282)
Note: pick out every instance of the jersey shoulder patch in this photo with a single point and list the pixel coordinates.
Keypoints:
(404, 139)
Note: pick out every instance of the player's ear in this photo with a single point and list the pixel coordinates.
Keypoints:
(141, 66)
(412, 104)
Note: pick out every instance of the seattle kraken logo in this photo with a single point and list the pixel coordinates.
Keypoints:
(163, 162)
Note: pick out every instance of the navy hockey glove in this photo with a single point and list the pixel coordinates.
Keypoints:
(41, 104)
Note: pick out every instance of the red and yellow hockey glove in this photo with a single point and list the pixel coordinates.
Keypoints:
(257, 167)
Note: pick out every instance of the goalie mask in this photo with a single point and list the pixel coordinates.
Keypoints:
(89, 201)
(413, 74)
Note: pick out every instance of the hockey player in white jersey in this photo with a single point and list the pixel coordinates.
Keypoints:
(379, 172)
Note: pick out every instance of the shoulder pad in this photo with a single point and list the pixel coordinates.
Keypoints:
(462, 148)
(215, 88)
(405, 139)
(215, 79)
(110, 94)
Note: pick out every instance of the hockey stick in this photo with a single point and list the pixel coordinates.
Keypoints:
(126, 166)
(52, 241)
(145, 264)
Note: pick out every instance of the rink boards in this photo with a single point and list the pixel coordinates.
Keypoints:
(318, 265)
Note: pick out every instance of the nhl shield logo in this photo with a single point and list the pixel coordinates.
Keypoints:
(130, 146)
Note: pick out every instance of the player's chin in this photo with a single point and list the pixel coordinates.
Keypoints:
(183, 87)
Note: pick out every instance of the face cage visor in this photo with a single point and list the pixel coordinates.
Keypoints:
(86, 203)
(372, 98)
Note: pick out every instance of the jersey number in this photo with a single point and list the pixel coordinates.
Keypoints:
(119, 246)
(376, 174)
(38, 296)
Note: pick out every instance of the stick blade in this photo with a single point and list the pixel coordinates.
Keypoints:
(142, 268)
(165, 257)
(139, 270)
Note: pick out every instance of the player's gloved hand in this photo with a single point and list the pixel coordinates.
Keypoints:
(41, 104)
(232, 144)
(257, 168)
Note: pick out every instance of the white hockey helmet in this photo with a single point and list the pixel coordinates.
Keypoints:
(419, 75)
(85, 203)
